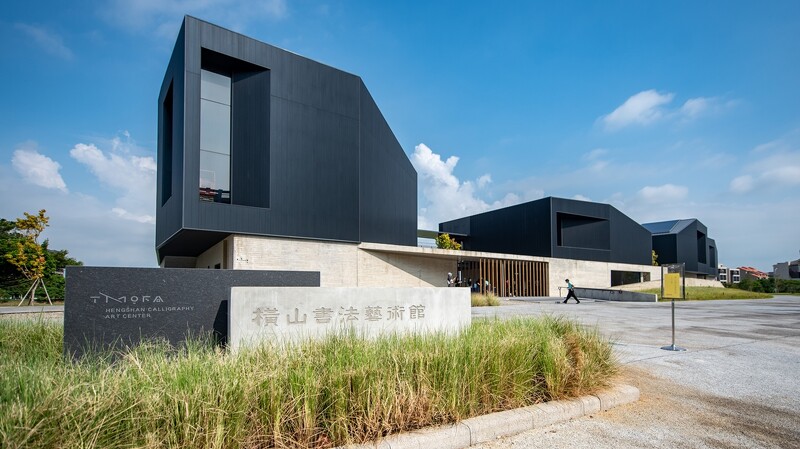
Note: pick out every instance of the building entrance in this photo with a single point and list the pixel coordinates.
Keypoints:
(505, 278)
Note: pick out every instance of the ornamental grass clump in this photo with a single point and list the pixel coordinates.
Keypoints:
(344, 389)
(484, 299)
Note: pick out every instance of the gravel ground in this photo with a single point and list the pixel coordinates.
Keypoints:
(736, 385)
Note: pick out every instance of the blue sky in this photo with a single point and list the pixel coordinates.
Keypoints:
(665, 110)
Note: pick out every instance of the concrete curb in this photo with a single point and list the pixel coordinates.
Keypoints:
(7, 310)
(482, 429)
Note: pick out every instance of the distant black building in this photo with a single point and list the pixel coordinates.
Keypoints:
(685, 241)
(556, 227)
(258, 140)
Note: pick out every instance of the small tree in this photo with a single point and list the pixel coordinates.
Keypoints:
(28, 255)
(655, 258)
(444, 241)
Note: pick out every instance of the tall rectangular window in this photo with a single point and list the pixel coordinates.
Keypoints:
(166, 145)
(702, 250)
(215, 137)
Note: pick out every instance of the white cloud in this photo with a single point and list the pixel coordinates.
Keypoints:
(742, 184)
(84, 225)
(113, 223)
(663, 194)
(595, 158)
(786, 175)
(773, 166)
(445, 197)
(122, 213)
(133, 177)
(775, 145)
(38, 169)
(581, 198)
(695, 107)
(640, 109)
(51, 42)
(728, 222)
(164, 17)
(595, 154)
(649, 106)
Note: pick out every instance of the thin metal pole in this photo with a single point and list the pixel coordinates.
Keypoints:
(673, 322)
(672, 347)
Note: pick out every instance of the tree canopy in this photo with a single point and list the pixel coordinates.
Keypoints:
(23, 259)
(444, 241)
(27, 255)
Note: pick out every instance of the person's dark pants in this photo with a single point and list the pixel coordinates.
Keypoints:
(571, 294)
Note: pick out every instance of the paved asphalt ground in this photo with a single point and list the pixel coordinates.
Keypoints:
(737, 385)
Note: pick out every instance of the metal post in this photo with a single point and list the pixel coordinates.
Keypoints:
(672, 347)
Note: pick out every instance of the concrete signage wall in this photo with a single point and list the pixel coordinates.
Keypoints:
(112, 307)
(293, 314)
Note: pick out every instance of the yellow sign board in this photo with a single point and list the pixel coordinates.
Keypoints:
(672, 285)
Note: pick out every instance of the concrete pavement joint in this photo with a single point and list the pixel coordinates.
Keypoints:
(678, 354)
(482, 429)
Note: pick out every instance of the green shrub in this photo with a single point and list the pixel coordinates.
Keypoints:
(789, 286)
(484, 299)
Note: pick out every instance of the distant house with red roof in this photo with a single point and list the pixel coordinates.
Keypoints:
(752, 273)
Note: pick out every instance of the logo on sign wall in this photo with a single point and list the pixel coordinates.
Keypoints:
(103, 298)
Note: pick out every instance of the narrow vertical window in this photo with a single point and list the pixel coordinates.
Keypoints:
(215, 137)
(166, 145)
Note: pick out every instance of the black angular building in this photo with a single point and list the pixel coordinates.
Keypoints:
(255, 140)
(685, 241)
(558, 228)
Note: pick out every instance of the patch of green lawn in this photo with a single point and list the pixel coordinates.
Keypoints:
(711, 293)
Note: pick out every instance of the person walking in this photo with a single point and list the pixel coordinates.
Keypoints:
(571, 292)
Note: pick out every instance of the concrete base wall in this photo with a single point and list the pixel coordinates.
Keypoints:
(376, 269)
(340, 264)
(380, 265)
(615, 295)
(588, 274)
(336, 262)
(212, 257)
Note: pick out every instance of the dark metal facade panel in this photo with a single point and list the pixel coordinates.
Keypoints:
(711, 267)
(697, 251)
(687, 247)
(692, 252)
(191, 150)
(666, 248)
(580, 208)
(388, 181)
(522, 229)
(250, 179)
(630, 241)
(594, 231)
(459, 226)
(569, 248)
(332, 168)
(168, 212)
(315, 176)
